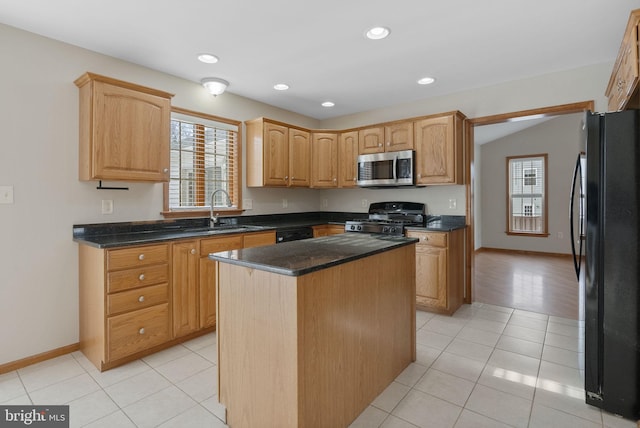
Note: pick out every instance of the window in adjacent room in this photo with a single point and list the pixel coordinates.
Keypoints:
(527, 198)
(205, 156)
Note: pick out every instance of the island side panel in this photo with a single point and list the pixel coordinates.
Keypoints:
(258, 340)
(359, 334)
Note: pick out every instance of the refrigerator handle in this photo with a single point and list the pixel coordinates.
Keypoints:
(577, 175)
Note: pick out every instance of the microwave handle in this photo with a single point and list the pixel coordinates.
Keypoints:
(395, 168)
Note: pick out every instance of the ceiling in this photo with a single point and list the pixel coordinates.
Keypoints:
(318, 48)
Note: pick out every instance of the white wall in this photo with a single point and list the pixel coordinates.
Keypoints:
(560, 139)
(39, 119)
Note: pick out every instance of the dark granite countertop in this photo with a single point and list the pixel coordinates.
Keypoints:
(297, 258)
(441, 223)
(111, 235)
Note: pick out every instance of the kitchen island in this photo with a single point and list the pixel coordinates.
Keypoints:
(311, 331)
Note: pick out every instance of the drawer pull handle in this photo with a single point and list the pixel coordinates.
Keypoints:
(193, 251)
(141, 299)
(141, 257)
(141, 331)
(141, 277)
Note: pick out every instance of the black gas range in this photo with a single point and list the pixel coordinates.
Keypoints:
(389, 218)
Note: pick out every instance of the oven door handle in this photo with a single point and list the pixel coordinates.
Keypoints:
(395, 168)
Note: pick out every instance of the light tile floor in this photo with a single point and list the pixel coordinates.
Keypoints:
(486, 366)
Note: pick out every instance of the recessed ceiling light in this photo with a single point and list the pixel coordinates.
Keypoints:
(281, 87)
(377, 33)
(426, 81)
(207, 58)
(328, 104)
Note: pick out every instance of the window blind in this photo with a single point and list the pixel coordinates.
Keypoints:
(204, 158)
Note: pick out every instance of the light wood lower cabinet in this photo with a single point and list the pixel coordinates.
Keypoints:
(185, 278)
(327, 229)
(439, 270)
(137, 300)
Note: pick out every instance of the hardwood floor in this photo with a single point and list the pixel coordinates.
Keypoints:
(532, 282)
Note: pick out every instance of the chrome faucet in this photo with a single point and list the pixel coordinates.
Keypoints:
(213, 218)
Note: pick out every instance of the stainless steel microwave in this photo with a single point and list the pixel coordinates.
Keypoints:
(388, 169)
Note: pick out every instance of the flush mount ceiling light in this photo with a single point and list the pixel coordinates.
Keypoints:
(426, 81)
(214, 85)
(377, 33)
(328, 104)
(280, 86)
(207, 58)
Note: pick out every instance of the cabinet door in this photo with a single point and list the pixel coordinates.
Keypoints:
(398, 136)
(130, 135)
(431, 276)
(324, 156)
(299, 158)
(208, 275)
(276, 155)
(435, 150)
(185, 287)
(371, 140)
(347, 159)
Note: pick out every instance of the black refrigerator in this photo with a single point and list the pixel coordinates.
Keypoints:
(612, 262)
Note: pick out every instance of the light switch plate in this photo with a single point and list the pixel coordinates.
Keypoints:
(6, 194)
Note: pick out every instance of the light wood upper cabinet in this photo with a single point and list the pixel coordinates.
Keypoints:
(389, 138)
(398, 136)
(277, 155)
(124, 130)
(371, 140)
(438, 142)
(324, 152)
(347, 159)
(622, 90)
(299, 158)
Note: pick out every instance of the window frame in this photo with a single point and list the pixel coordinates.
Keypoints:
(236, 195)
(544, 212)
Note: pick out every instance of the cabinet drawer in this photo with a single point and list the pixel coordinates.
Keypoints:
(137, 299)
(137, 256)
(138, 330)
(139, 277)
(214, 245)
(433, 239)
(258, 239)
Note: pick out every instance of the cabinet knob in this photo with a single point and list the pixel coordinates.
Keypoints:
(193, 251)
(141, 257)
(379, 144)
(141, 299)
(141, 277)
(165, 170)
(335, 179)
(286, 177)
(141, 331)
(426, 238)
(388, 143)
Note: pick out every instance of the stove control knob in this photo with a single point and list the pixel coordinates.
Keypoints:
(360, 227)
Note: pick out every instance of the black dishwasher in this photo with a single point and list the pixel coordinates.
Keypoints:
(287, 234)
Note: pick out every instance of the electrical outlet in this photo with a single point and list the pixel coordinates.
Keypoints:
(364, 203)
(453, 204)
(107, 206)
(560, 235)
(6, 194)
(285, 203)
(247, 204)
(325, 203)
